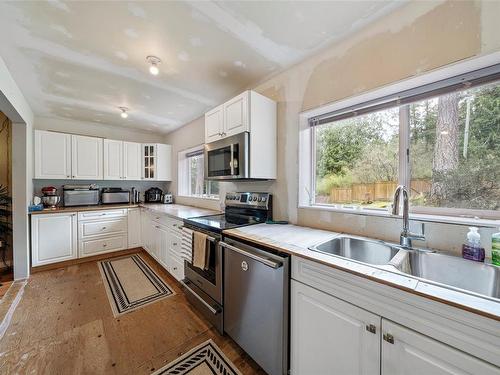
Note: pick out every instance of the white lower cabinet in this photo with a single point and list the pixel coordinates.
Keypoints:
(53, 238)
(134, 227)
(410, 353)
(161, 236)
(330, 336)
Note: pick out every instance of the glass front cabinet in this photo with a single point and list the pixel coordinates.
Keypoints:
(156, 162)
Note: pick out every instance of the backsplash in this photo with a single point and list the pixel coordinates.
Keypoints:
(142, 186)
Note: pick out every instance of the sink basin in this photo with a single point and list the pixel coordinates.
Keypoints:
(359, 249)
(453, 271)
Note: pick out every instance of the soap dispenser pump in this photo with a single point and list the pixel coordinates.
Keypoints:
(472, 250)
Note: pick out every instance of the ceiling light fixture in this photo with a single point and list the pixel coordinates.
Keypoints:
(124, 113)
(154, 62)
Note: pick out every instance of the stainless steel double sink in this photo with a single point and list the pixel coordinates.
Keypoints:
(427, 265)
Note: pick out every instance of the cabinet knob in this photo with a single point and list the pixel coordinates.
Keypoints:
(103, 228)
(175, 244)
(104, 245)
(389, 338)
(67, 176)
(73, 176)
(175, 268)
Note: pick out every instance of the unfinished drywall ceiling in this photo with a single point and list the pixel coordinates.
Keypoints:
(81, 60)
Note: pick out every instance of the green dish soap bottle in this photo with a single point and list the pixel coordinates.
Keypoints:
(495, 248)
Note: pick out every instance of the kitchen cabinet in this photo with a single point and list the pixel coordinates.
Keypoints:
(86, 158)
(157, 162)
(407, 352)
(343, 323)
(214, 124)
(330, 336)
(236, 117)
(247, 112)
(52, 155)
(53, 238)
(134, 227)
(122, 160)
(101, 232)
(132, 161)
(113, 160)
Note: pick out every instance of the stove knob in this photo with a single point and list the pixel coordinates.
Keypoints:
(260, 199)
(263, 199)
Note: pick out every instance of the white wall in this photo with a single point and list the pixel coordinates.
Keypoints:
(15, 106)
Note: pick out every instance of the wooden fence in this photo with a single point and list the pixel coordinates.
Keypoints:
(377, 191)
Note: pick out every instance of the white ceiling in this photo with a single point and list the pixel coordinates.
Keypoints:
(81, 60)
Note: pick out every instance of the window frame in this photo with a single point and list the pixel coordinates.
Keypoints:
(183, 180)
(389, 94)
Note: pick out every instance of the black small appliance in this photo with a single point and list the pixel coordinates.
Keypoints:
(153, 195)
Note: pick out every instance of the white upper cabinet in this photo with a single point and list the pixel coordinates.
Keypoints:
(52, 155)
(122, 160)
(66, 156)
(87, 158)
(236, 115)
(113, 160)
(157, 162)
(247, 112)
(214, 124)
(132, 161)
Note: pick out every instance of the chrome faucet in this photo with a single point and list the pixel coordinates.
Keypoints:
(406, 236)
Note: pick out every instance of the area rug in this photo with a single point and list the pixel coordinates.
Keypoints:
(131, 284)
(205, 359)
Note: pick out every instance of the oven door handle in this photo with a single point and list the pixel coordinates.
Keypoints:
(266, 261)
(212, 310)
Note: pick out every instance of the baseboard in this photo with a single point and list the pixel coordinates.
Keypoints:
(93, 258)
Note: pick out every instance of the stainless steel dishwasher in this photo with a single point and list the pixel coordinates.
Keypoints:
(256, 303)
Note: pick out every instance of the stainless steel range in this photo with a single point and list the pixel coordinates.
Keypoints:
(204, 287)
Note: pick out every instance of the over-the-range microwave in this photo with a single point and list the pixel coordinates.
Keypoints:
(228, 158)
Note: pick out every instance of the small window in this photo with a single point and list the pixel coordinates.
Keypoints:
(192, 175)
(441, 140)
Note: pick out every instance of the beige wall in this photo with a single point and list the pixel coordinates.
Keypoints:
(416, 38)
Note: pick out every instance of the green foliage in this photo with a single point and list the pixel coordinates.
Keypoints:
(325, 185)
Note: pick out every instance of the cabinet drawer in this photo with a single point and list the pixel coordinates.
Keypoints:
(102, 227)
(91, 215)
(160, 218)
(102, 245)
(175, 244)
(177, 269)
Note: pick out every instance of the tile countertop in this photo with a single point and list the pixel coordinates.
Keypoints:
(177, 211)
(295, 240)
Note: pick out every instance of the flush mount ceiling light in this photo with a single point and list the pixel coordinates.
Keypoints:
(124, 113)
(153, 62)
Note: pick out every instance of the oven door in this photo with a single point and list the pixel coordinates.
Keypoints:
(228, 158)
(210, 280)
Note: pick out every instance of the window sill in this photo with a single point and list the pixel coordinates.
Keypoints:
(477, 222)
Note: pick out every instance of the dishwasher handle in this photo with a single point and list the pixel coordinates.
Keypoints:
(268, 262)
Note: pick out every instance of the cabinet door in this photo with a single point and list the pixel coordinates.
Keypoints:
(236, 115)
(163, 245)
(145, 230)
(134, 227)
(113, 160)
(214, 124)
(53, 238)
(132, 161)
(86, 160)
(330, 336)
(407, 352)
(149, 162)
(163, 162)
(52, 155)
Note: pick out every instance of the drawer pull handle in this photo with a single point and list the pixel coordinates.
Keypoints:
(103, 228)
(371, 328)
(104, 245)
(175, 244)
(389, 338)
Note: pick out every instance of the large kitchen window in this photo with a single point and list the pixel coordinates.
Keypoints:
(442, 140)
(192, 175)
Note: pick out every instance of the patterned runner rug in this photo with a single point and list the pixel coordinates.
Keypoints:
(131, 284)
(205, 359)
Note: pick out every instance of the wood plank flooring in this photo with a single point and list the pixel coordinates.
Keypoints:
(64, 325)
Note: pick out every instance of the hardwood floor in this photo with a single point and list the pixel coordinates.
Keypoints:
(64, 325)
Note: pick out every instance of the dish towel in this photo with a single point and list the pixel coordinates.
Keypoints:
(187, 245)
(200, 253)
